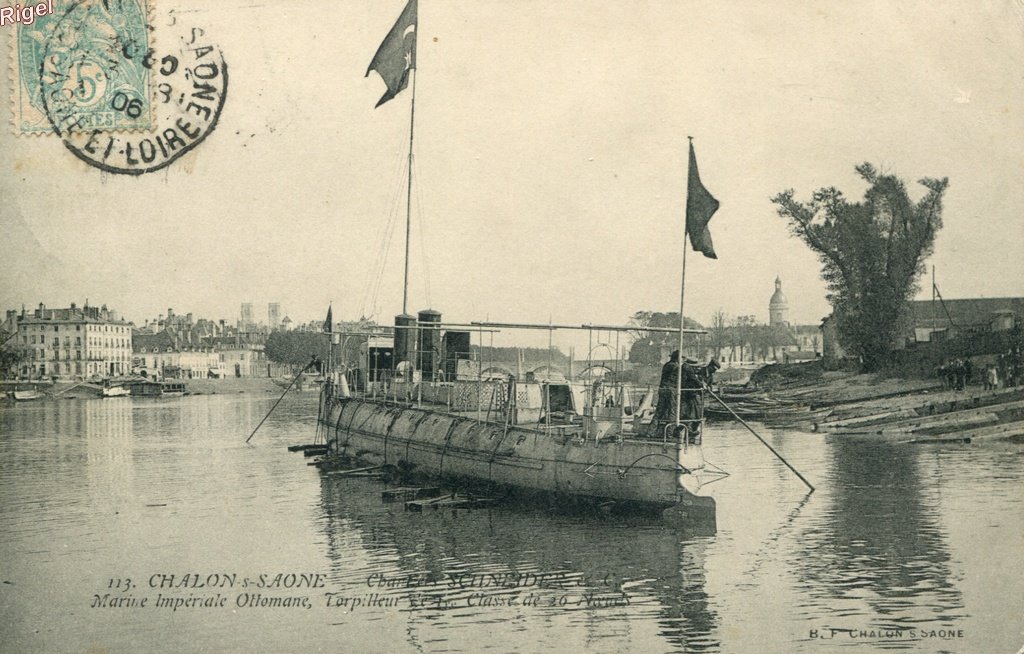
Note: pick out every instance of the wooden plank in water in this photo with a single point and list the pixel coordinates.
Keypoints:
(356, 472)
(409, 493)
(999, 432)
(449, 502)
(303, 448)
(418, 505)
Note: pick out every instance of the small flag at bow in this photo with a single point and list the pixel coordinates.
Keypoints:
(700, 206)
(396, 56)
(329, 323)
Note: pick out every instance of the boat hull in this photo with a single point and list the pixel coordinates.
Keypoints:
(649, 473)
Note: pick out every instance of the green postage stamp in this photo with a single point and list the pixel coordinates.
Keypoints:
(82, 67)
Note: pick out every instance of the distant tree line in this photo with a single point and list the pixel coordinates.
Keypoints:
(754, 340)
(296, 348)
(532, 356)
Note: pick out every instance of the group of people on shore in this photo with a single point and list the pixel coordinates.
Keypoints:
(1005, 372)
(956, 374)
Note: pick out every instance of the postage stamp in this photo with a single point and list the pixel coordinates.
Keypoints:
(190, 79)
(87, 58)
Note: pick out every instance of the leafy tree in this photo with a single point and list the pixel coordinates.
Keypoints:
(12, 354)
(872, 253)
(647, 345)
(296, 348)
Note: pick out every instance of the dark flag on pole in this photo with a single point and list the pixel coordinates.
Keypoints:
(700, 206)
(396, 56)
(328, 323)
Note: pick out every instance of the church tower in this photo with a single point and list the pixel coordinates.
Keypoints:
(778, 307)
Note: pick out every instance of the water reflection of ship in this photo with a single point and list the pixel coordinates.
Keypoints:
(511, 550)
(880, 541)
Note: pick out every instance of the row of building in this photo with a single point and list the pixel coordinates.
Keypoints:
(89, 342)
(86, 342)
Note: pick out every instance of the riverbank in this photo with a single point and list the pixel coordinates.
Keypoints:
(229, 386)
(261, 385)
(910, 410)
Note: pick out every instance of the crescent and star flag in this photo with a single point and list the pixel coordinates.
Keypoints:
(700, 206)
(328, 323)
(396, 56)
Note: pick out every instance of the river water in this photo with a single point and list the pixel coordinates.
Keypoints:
(210, 544)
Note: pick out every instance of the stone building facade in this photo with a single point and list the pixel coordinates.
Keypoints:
(73, 343)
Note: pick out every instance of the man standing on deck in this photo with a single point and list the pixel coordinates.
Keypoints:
(666, 409)
(694, 377)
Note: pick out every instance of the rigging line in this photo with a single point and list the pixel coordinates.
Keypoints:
(381, 234)
(382, 239)
(381, 264)
(383, 259)
(422, 229)
(944, 307)
(392, 225)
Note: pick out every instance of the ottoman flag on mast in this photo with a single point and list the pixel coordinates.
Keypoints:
(700, 206)
(395, 61)
(396, 56)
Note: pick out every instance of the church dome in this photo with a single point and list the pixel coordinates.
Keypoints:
(778, 298)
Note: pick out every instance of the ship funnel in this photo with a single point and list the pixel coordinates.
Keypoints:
(405, 338)
(429, 343)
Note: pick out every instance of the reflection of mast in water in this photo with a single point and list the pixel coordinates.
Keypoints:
(880, 535)
(457, 560)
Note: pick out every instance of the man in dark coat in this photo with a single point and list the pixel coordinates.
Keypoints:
(666, 409)
(694, 377)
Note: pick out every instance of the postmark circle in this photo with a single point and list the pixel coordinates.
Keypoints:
(98, 77)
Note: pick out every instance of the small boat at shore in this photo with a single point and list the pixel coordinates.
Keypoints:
(302, 382)
(26, 394)
(172, 388)
(152, 388)
(115, 390)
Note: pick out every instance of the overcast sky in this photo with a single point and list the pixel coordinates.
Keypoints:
(550, 160)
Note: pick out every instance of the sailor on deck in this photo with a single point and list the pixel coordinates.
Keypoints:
(694, 378)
